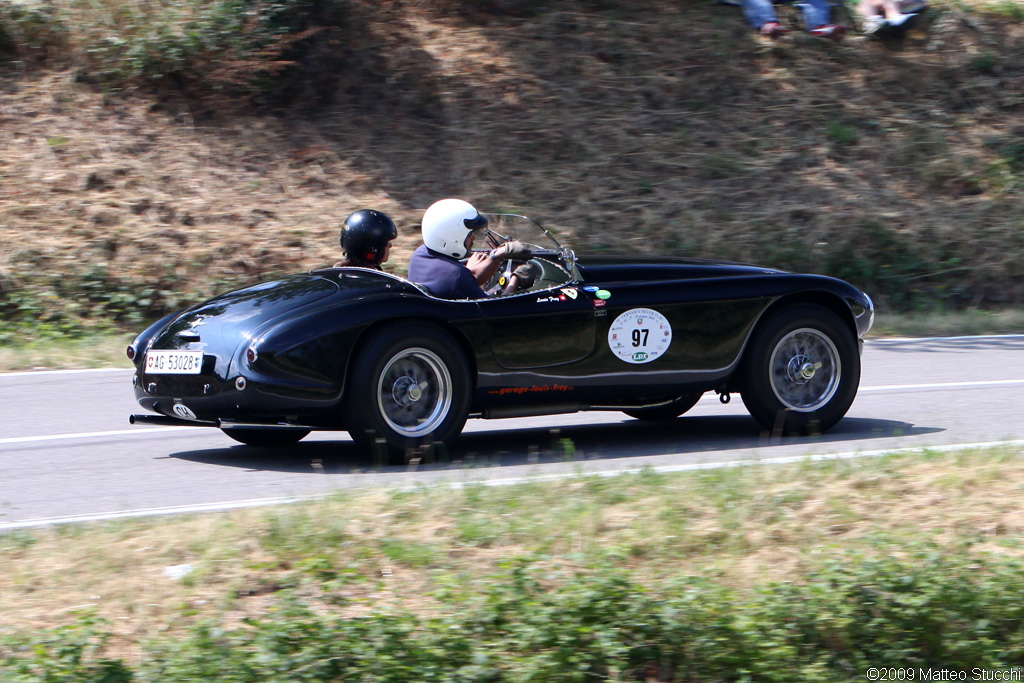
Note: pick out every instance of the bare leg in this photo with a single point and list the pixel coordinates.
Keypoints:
(888, 8)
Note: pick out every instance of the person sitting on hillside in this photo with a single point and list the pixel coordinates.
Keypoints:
(366, 239)
(449, 229)
(884, 14)
(817, 18)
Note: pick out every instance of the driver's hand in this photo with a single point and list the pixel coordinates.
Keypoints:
(517, 251)
(527, 274)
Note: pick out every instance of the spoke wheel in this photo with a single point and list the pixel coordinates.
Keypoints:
(801, 370)
(407, 392)
(805, 370)
(414, 393)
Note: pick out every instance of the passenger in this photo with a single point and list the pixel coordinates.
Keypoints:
(366, 239)
(449, 229)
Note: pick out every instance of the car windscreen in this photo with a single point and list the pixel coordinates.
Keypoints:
(503, 227)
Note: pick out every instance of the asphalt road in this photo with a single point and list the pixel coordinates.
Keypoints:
(68, 453)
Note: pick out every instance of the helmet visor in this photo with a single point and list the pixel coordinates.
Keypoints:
(479, 222)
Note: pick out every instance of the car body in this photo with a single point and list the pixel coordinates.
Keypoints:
(374, 354)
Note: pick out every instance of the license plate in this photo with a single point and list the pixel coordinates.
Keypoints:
(174, 362)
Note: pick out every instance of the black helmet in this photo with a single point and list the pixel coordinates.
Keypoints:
(366, 234)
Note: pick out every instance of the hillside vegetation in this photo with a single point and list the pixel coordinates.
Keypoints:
(156, 152)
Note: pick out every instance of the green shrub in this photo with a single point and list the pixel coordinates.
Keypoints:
(905, 607)
(30, 32)
(71, 654)
(225, 48)
(40, 306)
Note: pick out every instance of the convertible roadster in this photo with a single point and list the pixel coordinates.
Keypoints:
(401, 370)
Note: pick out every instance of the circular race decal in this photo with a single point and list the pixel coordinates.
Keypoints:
(639, 335)
(183, 411)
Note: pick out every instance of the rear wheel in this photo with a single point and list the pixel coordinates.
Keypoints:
(267, 438)
(665, 411)
(802, 371)
(408, 392)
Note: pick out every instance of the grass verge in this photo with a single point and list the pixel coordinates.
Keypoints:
(101, 351)
(949, 323)
(800, 573)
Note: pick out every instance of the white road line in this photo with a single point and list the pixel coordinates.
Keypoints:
(96, 435)
(151, 512)
(945, 385)
(980, 384)
(967, 337)
(264, 502)
(789, 459)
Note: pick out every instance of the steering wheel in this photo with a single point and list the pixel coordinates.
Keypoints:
(501, 278)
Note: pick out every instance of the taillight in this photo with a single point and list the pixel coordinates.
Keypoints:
(131, 352)
(251, 355)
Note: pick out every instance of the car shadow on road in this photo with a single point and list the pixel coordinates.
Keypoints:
(699, 438)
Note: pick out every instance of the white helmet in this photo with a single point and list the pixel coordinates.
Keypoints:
(447, 223)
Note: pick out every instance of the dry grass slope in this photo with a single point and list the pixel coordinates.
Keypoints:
(647, 127)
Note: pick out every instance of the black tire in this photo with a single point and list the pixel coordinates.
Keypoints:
(666, 411)
(801, 371)
(407, 392)
(267, 438)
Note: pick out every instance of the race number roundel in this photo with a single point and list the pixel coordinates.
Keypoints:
(640, 335)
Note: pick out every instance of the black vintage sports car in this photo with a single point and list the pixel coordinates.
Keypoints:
(399, 369)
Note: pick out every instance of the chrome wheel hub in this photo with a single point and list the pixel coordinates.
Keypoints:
(802, 369)
(406, 391)
(805, 370)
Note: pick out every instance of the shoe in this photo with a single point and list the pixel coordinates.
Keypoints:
(875, 23)
(830, 31)
(899, 19)
(773, 29)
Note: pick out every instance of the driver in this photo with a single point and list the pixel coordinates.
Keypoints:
(449, 228)
(366, 239)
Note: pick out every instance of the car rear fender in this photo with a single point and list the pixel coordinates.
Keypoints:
(141, 342)
(317, 342)
(469, 334)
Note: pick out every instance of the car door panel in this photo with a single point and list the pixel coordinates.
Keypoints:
(540, 329)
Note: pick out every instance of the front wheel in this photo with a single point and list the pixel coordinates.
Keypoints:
(802, 371)
(408, 391)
